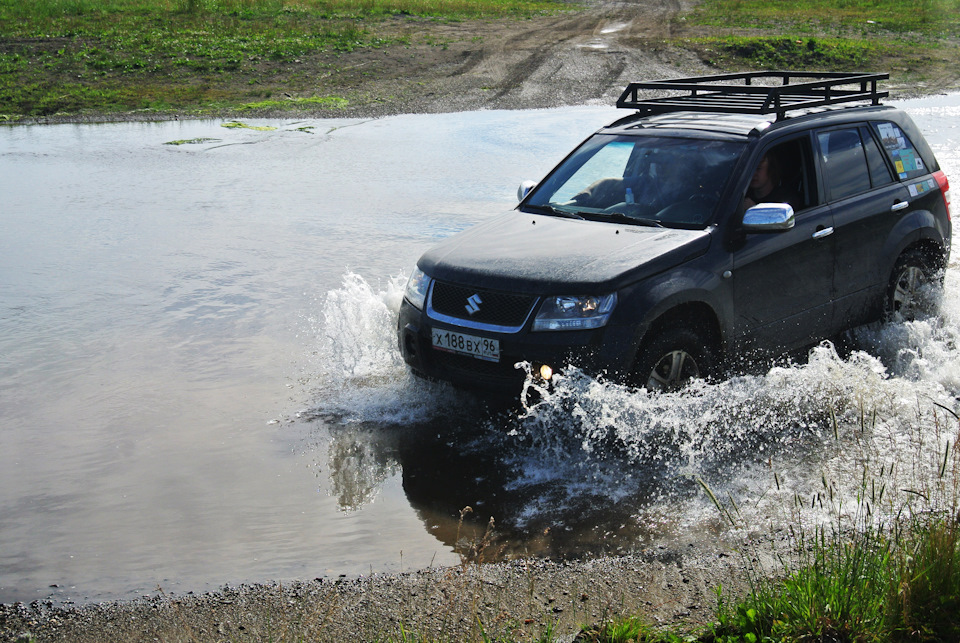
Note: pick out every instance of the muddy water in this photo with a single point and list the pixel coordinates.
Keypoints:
(199, 384)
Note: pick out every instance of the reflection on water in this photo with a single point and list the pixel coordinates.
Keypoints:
(199, 380)
(358, 467)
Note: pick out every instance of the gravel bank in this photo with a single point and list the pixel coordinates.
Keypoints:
(522, 598)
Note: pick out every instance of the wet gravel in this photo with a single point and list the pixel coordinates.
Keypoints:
(521, 599)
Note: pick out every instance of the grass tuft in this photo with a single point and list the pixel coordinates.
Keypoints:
(936, 18)
(330, 102)
(763, 52)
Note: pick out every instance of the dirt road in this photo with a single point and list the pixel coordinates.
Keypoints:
(581, 57)
(575, 58)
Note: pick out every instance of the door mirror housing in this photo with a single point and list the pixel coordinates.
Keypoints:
(769, 217)
(525, 188)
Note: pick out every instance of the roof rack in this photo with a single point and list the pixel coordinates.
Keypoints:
(736, 93)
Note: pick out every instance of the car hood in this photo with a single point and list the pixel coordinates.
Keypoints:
(533, 253)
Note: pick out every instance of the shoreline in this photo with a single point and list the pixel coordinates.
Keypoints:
(406, 107)
(671, 587)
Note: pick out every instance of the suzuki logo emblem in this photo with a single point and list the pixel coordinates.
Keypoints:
(473, 304)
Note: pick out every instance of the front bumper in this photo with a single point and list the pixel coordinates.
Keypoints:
(608, 350)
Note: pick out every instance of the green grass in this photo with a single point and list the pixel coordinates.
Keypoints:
(122, 10)
(330, 102)
(776, 52)
(70, 56)
(840, 35)
(867, 575)
(869, 586)
(936, 18)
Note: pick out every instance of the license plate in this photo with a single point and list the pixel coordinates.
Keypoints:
(478, 347)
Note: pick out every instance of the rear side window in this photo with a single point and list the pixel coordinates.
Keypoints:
(901, 152)
(879, 173)
(844, 162)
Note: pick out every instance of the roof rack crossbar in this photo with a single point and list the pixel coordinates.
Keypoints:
(717, 94)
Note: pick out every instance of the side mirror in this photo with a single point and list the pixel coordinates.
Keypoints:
(524, 189)
(769, 217)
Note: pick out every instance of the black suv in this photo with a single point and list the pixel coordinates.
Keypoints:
(724, 216)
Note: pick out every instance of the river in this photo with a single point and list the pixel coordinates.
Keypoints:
(199, 383)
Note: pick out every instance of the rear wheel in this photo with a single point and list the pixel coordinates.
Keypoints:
(915, 288)
(671, 359)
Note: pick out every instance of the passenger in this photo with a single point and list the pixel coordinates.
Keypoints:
(646, 192)
(601, 194)
(766, 187)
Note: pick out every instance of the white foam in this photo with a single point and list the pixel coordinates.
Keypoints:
(358, 374)
(757, 439)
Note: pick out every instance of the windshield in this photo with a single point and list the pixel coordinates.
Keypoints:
(646, 180)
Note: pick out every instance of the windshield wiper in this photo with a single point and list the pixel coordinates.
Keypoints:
(626, 218)
(550, 209)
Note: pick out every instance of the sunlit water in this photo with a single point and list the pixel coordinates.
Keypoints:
(199, 382)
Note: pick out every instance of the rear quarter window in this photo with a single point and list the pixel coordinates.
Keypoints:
(844, 163)
(907, 163)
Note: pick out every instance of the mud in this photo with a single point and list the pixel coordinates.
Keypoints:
(570, 59)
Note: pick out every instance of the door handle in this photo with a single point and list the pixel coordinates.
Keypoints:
(899, 205)
(823, 232)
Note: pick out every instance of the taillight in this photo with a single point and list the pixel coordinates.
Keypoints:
(944, 188)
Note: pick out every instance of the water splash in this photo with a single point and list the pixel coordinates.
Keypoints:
(804, 435)
(358, 372)
(799, 438)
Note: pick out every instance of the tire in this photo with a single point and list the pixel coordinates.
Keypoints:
(670, 359)
(915, 288)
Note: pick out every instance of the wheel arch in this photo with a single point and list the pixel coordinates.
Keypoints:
(699, 316)
(918, 231)
(930, 248)
(691, 328)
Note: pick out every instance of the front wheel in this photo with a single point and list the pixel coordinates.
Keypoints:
(671, 359)
(915, 288)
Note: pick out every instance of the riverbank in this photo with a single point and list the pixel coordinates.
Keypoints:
(520, 599)
(315, 65)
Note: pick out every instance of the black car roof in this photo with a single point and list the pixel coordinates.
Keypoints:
(739, 126)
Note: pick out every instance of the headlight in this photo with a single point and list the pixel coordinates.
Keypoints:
(574, 313)
(417, 287)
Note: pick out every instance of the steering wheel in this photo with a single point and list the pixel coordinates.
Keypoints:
(695, 209)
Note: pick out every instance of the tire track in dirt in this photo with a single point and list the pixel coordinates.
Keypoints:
(584, 56)
(580, 57)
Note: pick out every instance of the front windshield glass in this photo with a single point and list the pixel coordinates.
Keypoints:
(647, 180)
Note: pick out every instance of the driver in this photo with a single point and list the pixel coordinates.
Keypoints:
(766, 185)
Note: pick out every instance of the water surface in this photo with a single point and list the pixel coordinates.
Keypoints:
(199, 382)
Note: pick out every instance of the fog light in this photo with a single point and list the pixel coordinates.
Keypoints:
(546, 372)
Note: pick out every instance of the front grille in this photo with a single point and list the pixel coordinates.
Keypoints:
(491, 307)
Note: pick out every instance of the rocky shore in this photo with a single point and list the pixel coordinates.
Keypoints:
(522, 599)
